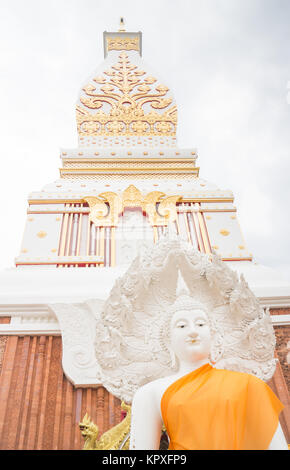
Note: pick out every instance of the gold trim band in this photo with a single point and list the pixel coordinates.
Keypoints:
(80, 201)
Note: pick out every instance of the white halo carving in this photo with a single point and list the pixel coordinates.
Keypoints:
(130, 347)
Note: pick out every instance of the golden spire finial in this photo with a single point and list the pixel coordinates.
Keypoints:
(121, 25)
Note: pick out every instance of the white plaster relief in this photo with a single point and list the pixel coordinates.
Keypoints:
(78, 324)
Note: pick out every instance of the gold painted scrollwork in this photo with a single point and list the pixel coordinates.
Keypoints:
(132, 197)
(115, 204)
(104, 212)
(167, 208)
(150, 206)
(99, 210)
(106, 208)
(119, 44)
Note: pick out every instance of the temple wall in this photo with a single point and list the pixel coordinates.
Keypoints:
(41, 409)
(283, 350)
(279, 387)
(282, 333)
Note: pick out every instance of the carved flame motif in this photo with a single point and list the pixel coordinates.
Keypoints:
(122, 100)
(106, 208)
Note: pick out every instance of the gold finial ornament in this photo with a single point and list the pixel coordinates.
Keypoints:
(122, 23)
(116, 438)
(41, 234)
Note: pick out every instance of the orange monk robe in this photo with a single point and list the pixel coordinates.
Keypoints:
(217, 409)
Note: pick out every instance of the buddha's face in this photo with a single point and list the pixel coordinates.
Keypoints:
(190, 335)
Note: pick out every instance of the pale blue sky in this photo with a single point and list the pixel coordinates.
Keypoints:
(228, 63)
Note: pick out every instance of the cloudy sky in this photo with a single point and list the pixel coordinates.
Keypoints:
(228, 62)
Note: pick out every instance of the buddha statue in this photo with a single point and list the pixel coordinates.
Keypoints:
(183, 340)
(203, 407)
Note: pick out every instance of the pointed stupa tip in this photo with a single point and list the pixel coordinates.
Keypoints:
(122, 40)
(122, 24)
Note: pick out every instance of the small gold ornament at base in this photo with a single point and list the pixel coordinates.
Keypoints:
(116, 438)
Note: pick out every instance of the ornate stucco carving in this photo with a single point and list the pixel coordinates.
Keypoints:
(123, 44)
(130, 348)
(120, 342)
(106, 208)
(125, 101)
(78, 323)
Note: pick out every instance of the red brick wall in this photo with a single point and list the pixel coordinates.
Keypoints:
(3, 341)
(279, 387)
(282, 333)
(283, 350)
(39, 407)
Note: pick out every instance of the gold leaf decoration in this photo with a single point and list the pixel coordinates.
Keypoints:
(99, 79)
(99, 211)
(167, 208)
(106, 207)
(224, 232)
(119, 44)
(132, 197)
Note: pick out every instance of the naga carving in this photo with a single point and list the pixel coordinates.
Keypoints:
(130, 346)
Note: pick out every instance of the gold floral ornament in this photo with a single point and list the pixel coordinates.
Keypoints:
(224, 232)
(125, 101)
(121, 44)
(116, 438)
(132, 197)
(41, 234)
(106, 207)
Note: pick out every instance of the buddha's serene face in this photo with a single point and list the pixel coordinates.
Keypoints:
(190, 335)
